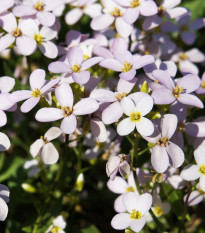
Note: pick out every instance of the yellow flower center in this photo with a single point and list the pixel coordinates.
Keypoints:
(135, 3)
(161, 11)
(135, 214)
(45, 140)
(158, 211)
(39, 6)
(86, 57)
(130, 189)
(177, 91)
(38, 38)
(116, 12)
(163, 141)
(146, 52)
(36, 93)
(67, 111)
(55, 229)
(202, 169)
(123, 158)
(184, 28)
(120, 96)
(17, 32)
(203, 84)
(135, 116)
(76, 68)
(127, 67)
(182, 57)
(181, 127)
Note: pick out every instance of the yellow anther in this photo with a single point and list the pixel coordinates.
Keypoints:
(130, 189)
(120, 96)
(39, 6)
(182, 57)
(45, 140)
(56, 229)
(181, 126)
(38, 38)
(203, 84)
(76, 68)
(161, 11)
(163, 141)
(116, 12)
(127, 66)
(123, 158)
(135, 3)
(86, 57)
(36, 93)
(177, 91)
(67, 111)
(17, 32)
(202, 169)
(158, 211)
(135, 214)
(135, 116)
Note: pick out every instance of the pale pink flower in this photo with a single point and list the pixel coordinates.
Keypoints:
(4, 198)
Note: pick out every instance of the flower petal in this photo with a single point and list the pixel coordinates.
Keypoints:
(81, 77)
(176, 154)
(36, 146)
(102, 21)
(168, 125)
(64, 95)
(53, 133)
(37, 79)
(85, 106)
(59, 67)
(3, 210)
(118, 185)
(29, 104)
(121, 221)
(125, 127)
(190, 172)
(69, 124)
(138, 224)
(46, 18)
(145, 127)
(49, 49)
(112, 113)
(4, 142)
(49, 154)
(49, 114)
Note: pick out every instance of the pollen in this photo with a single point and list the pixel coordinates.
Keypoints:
(86, 57)
(158, 211)
(36, 93)
(161, 11)
(163, 141)
(177, 91)
(182, 57)
(120, 96)
(202, 169)
(203, 84)
(135, 214)
(76, 68)
(116, 12)
(135, 3)
(38, 38)
(130, 189)
(127, 66)
(45, 140)
(67, 111)
(55, 229)
(39, 6)
(135, 116)
(17, 32)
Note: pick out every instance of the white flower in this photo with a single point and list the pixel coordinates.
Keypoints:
(58, 225)
(136, 113)
(4, 198)
(45, 148)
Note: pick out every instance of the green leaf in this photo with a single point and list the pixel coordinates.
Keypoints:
(90, 229)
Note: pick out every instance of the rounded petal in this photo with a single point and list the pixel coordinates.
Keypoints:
(138, 224)
(73, 16)
(102, 21)
(53, 133)
(64, 95)
(3, 210)
(49, 114)
(119, 205)
(36, 146)
(91, 62)
(202, 182)
(190, 172)
(128, 75)
(131, 201)
(188, 37)
(121, 221)
(49, 154)
(190, 99)
(98, 129)
(103, 95)
(46, 18)
(4, 142)
(159, 159)
(25, 45)
(163, 96)
(112, 113)
(58, 67)
(168, 125)
(6, 41)
(37, 79)
(145, 105)
(29, 104)
(23, 10)
(176, 154)
(85, 106)
(127, 105)
(189, 82)
(123, 28)
(148, 8)
(17, 96)
(145, 127)
(118, 185)
(111, 64)
(125, 127)
(164, 78)
(6, 84)
(48, 33)
(75, 56)
(3, 118)
(199, 155)
(49, 49)
(194, 198)
(81, 77)
(125, 86)
(5, 5)
(69, 124)
(131, 15)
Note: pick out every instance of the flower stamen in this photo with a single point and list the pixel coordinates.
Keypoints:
(177, 91)
(76, 68)
(55, 229)
(120, 96)
(36, 93)
(67, 111)
(158, 211)
(127, 66)
(116, 12)
(17, 32)
(135, 3)
(202, 169)
(163, 141)
(38, 38)
(130, 189)
(135, 214)
(39, 6)
(135, 116)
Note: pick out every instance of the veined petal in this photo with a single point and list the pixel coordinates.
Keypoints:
(127, 105)
(64, 95)
(85, 106)
(102, 21)
(168, 125)
(112, 113)
(46, 18)
(69, 124)
(176, 154)
(29, 104)
(49, 114)
(91, 62)
(49, 154)
(145, 127)
(145, 105)
(190, 99)
(125, 127)
(111, 64)
(118, 185)
(159, 159)
(190, 172)
(137, 224)
(81, 77)
(59, 67)
(131, 201)
(163, 96)
(73, 16)
(49, 49)
(75, 56)
(37, 79)
(36, 146)
(53, 133)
